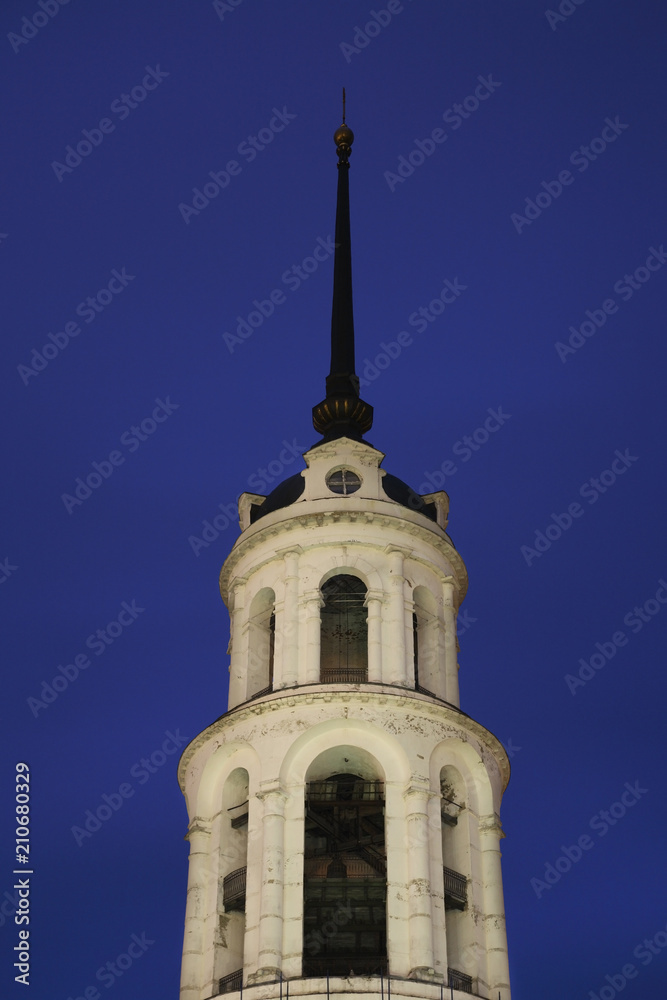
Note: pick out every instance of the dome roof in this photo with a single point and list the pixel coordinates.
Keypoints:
(289, 491)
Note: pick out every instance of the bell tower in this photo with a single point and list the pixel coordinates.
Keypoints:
(344, 812)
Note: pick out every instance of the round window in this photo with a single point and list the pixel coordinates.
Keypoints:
(343, 481)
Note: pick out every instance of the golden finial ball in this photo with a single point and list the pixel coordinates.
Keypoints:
(343, 136)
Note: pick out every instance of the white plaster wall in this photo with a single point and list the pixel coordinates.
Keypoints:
(409, 736)
(276, 739)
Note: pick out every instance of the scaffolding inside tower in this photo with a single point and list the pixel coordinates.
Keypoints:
(345, 878)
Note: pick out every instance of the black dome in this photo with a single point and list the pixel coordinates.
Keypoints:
(399, 491)
(284, 494)
(289, 491)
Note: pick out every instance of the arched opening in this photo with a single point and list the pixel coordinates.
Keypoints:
(230, 932)
(425, 630)
(261, 643)
(345, 866)
(344, 631)
(461, 952)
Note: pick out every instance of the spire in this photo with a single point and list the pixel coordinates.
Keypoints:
(342, 413)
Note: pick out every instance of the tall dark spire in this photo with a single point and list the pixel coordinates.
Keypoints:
(342, 413)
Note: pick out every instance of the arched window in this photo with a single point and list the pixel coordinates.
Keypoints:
(261, 643)
(345, 868)
(425, 630)
(344, 635)
(232, 891)
(459, 919)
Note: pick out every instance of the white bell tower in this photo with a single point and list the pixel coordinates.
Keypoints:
(344, 812)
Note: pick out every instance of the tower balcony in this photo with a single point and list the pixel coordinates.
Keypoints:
(233, 890)
(344, 675)
(231, 983)
(456, 889)
(459, 981)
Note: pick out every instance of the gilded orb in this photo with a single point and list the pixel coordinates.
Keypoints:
(343, 136)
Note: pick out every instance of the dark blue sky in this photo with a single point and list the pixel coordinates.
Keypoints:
(561, 119)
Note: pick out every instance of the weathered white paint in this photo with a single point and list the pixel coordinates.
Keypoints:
(303, 729)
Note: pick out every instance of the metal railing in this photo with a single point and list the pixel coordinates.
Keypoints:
(343, 791)
(233, 890)
(260, 694)
(231, 983)
(344, 675)
(456, 886)
(459, 981)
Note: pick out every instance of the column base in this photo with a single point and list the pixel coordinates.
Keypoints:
(267, 974)
(425, 974)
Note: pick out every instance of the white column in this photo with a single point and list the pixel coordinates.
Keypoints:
(374, 605)
(439, 642)
(271, 896)
(289, 629)
(193, 977)
(238, 647)
(419, 881)
(309, 667)
(409, 606)
(437, 887)
(490, 832)
(398, 914)
(397, 673)
(451, 658)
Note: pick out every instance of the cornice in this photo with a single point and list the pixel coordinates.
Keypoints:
(380, 694)
(345, 514)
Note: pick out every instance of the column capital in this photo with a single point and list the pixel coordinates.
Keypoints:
(290, 555)
(398, 550)
(374, 595)
(313, 597)
(289, 550)
(419, 791)
(491, 825)
(450, 584)
(198, 825)
(236, 591)
(273, 798)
